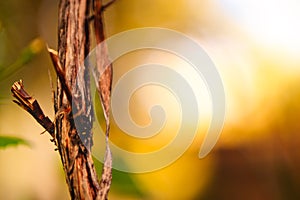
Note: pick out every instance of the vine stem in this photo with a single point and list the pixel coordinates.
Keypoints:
(71, 129)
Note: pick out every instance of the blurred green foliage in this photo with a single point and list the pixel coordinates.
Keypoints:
(26, 55)
(6, 141)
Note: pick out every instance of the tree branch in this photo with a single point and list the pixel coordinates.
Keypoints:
(72, 126)
(30, 104)
(103, 76)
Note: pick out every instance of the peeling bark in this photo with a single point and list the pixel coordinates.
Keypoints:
(71, 129)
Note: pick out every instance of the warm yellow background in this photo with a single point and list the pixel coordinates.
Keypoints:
(255, 46)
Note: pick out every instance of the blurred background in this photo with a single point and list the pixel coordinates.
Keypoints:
(254, 45)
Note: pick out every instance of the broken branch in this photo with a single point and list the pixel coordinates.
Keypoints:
(30, 104)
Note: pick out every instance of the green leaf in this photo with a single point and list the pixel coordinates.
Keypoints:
(6, 141)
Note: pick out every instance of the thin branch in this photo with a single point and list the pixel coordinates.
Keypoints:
(60, 73)
(105, 6)
(103, 75)
(30, 104)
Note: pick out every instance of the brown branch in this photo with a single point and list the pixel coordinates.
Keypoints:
(30, 104)
(72, 126)
(105, 6)
(104, 78)
(60, 73)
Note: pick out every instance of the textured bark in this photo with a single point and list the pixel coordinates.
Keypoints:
(72, 127)
(73, 45)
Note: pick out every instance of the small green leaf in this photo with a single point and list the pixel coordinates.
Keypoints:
(6, 141)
